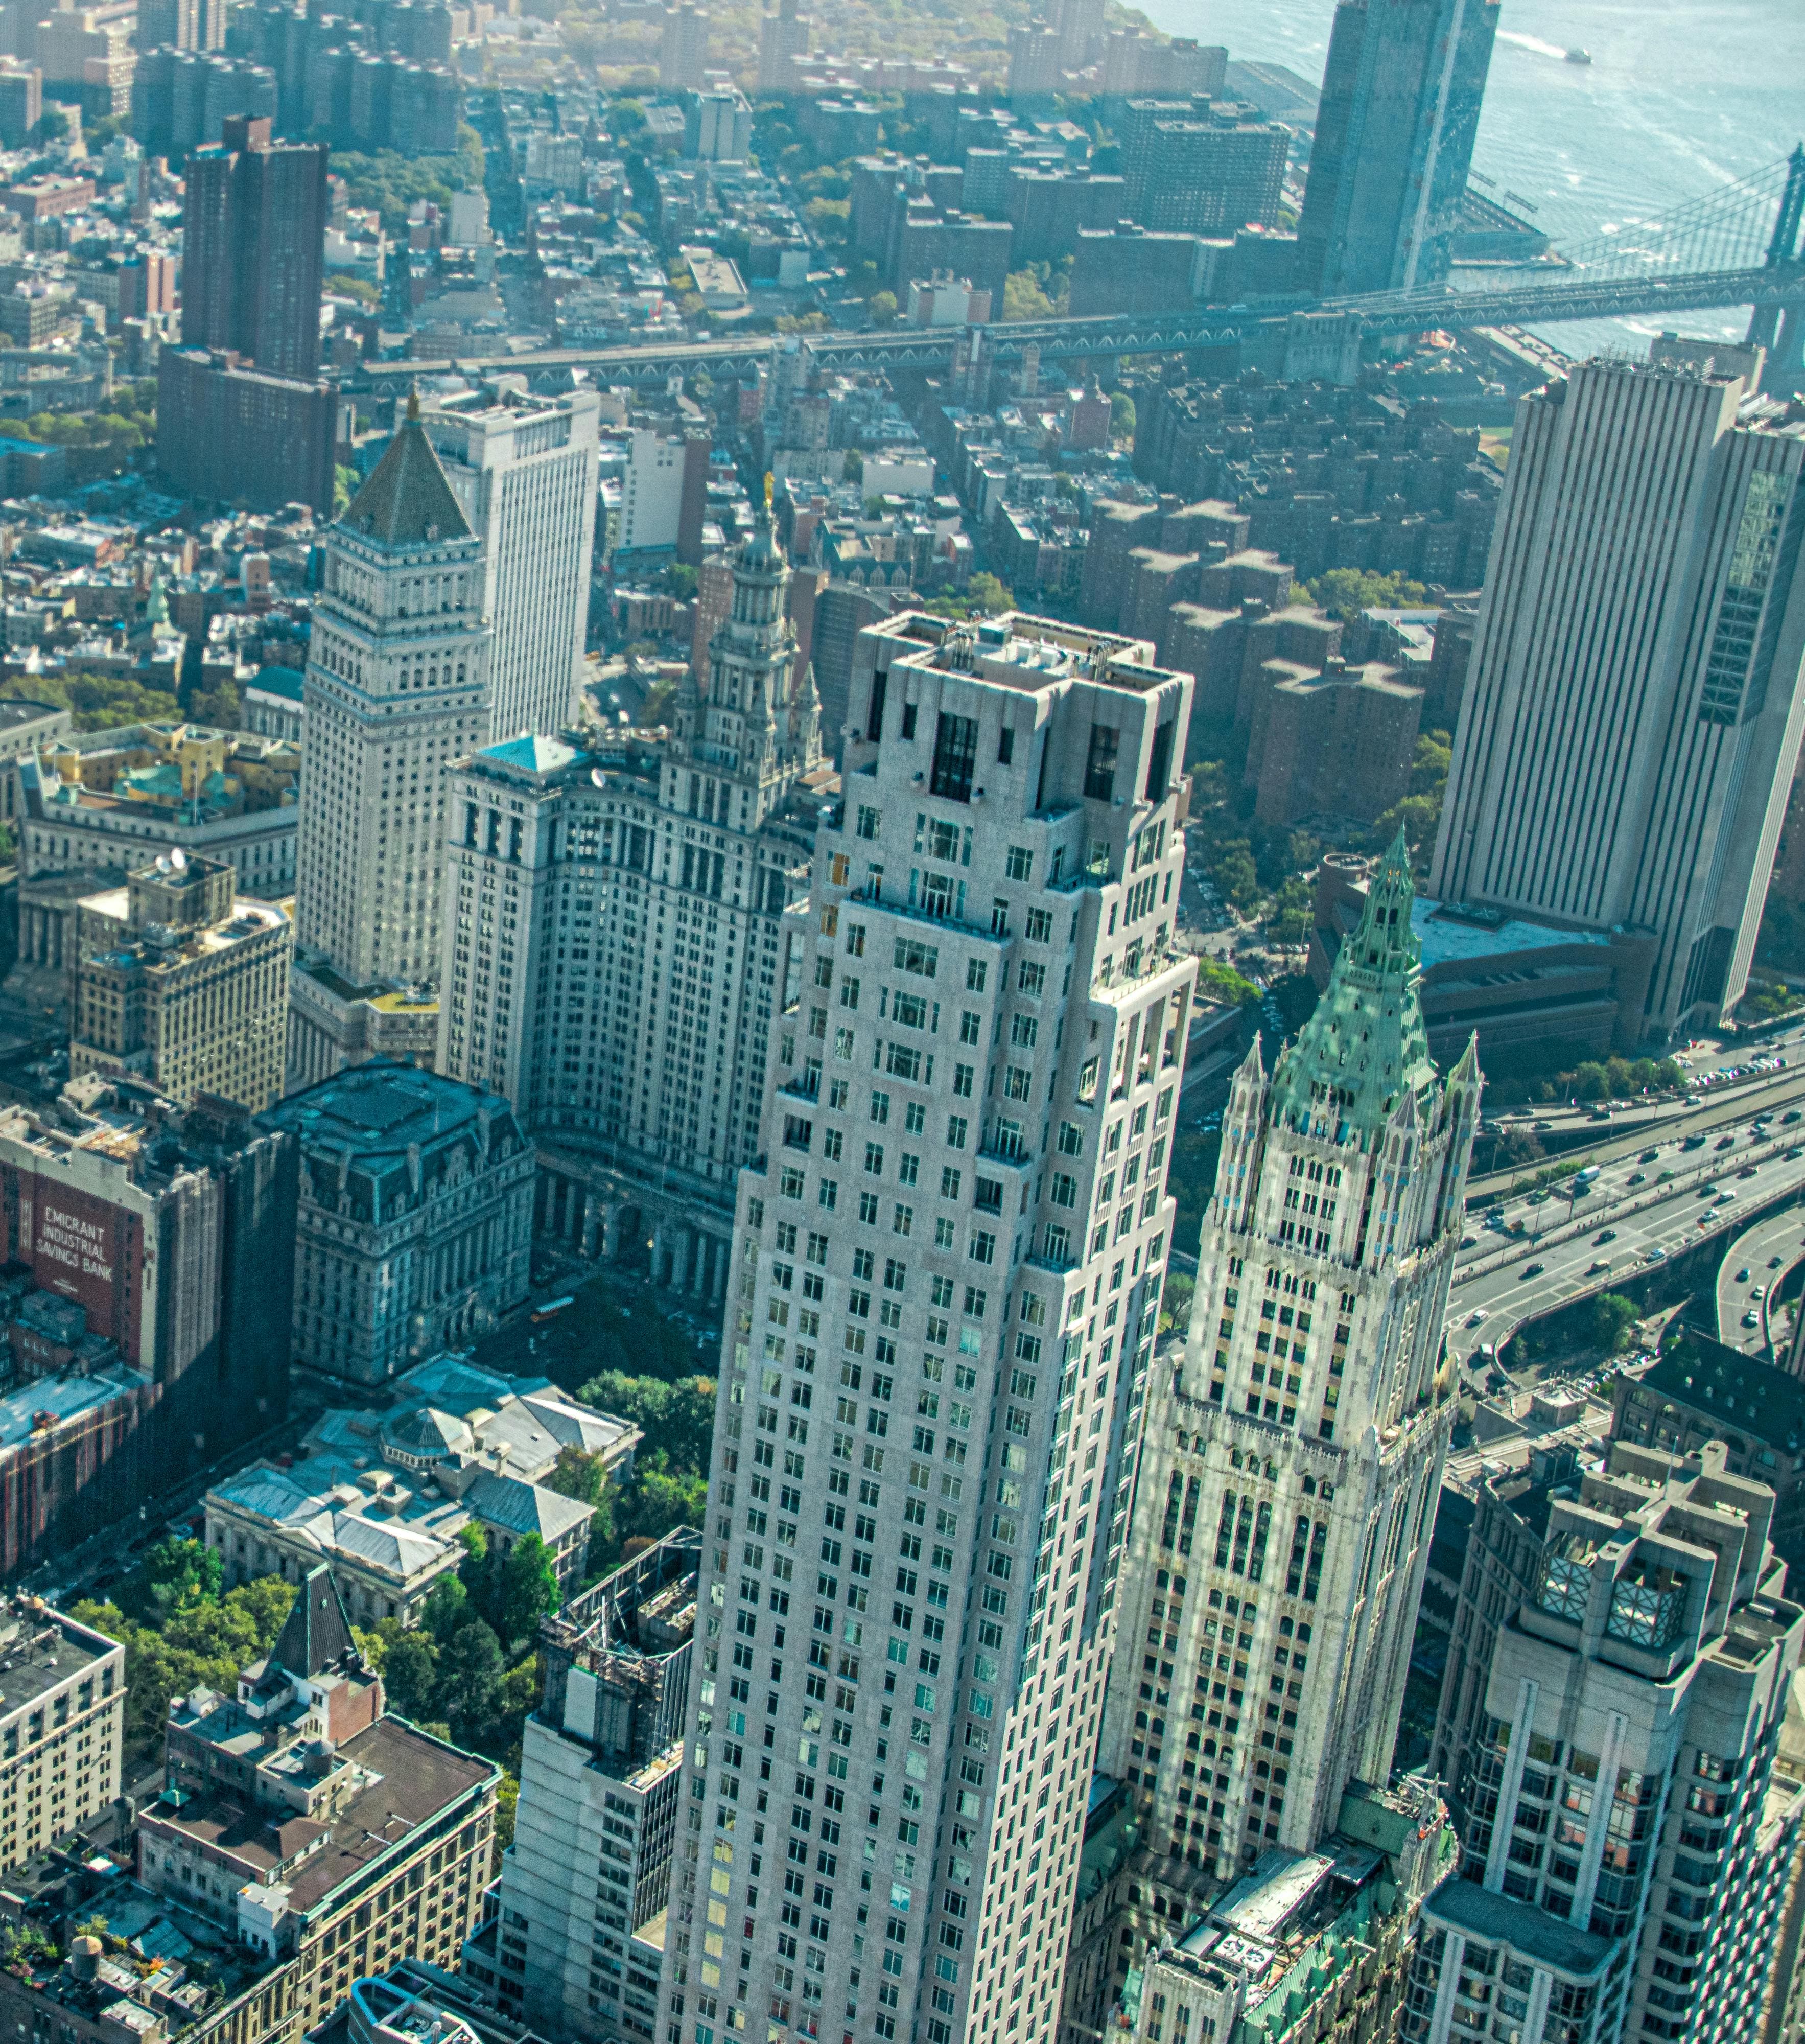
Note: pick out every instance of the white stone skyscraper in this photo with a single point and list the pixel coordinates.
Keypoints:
(611, 941)
(523, 469)
(945, 1276)
(1290, 1470)
(1632, 712)
(396, 690)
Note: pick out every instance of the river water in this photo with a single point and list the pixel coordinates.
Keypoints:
(1681, 96)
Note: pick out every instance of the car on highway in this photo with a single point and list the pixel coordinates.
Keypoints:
(1604, 1234)
(1705, 1192)
(1593, 1270)
(1534, 1270)
(1747, 1171)
(1639, 1177)
(1742, 1275)
(1693, 1142)
(1774, 1262)
(1469, 1241)
(1791, 1114)
(1655, 1256)
(1725, 1142)
(1647, 1156)
(1477, 1317)
(1723, 1199)
(1751, 1320)
(1793, 1156)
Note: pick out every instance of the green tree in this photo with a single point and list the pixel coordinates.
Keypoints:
(1217, 982)
(345, 481)
(988, 595)
(1293, 913)
(173, 1575)
(1234, 872)
(676, 1419)
(656, 1502)
(882, 307)
(1122, 416)
(680, 579)
(1024, 298)
(447, 1609)
(1344, 593)
(470, 1669)
(575, 1474)
(524, 1587)
(852, 469)
(507, 1807)
(1613, 1318)
(410, 1675)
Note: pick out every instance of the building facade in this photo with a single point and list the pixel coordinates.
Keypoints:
(524, 472)
(254, 232)
(176, 981)
(1653, 1660)
(232, 433)
(574, 1942)
(1631, 718)
(62, 1725)
(396, 689)
(1393, 143)
(613, 953)
(947, 1269)
(1292, 1465)
(415, 1219)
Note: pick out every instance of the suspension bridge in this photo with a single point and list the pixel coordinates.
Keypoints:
(1738, 244)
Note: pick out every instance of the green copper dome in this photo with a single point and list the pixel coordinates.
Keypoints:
(1366, 1044)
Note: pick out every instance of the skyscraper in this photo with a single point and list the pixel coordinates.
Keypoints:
(1631, 717)
(612, 938)
(947, 1269)
(574, 1945)
(524, 472)
(1290, 1470)
(396, 689)
(1401, 101)
(241, 412)
(1629, 1843)
(254, 248)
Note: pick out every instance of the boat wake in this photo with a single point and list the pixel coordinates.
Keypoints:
(1533, 43)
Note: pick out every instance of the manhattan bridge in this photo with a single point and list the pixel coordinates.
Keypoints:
(1738, 244)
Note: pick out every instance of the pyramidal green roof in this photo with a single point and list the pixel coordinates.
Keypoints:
(405, 501)
(1366, 1045)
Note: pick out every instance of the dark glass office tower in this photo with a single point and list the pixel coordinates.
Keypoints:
(1401, 94)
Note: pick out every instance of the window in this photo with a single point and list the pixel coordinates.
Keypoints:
(1039, 926)
(911, 955)
(1071, 1139)
(955, 753)
(1100, 767)
(1018, 863)
(956, 1132)
(869, 822)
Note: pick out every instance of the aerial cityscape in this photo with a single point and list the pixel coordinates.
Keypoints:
(1002, 804)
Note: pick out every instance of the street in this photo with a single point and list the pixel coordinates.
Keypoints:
(1640, 1209)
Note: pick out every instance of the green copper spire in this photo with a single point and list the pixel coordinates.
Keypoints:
(1366, 1044)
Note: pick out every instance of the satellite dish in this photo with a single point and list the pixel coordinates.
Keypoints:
(179, 861)
(599, 778)
(161, 863)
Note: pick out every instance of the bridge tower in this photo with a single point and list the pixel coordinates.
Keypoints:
(1779, 326)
